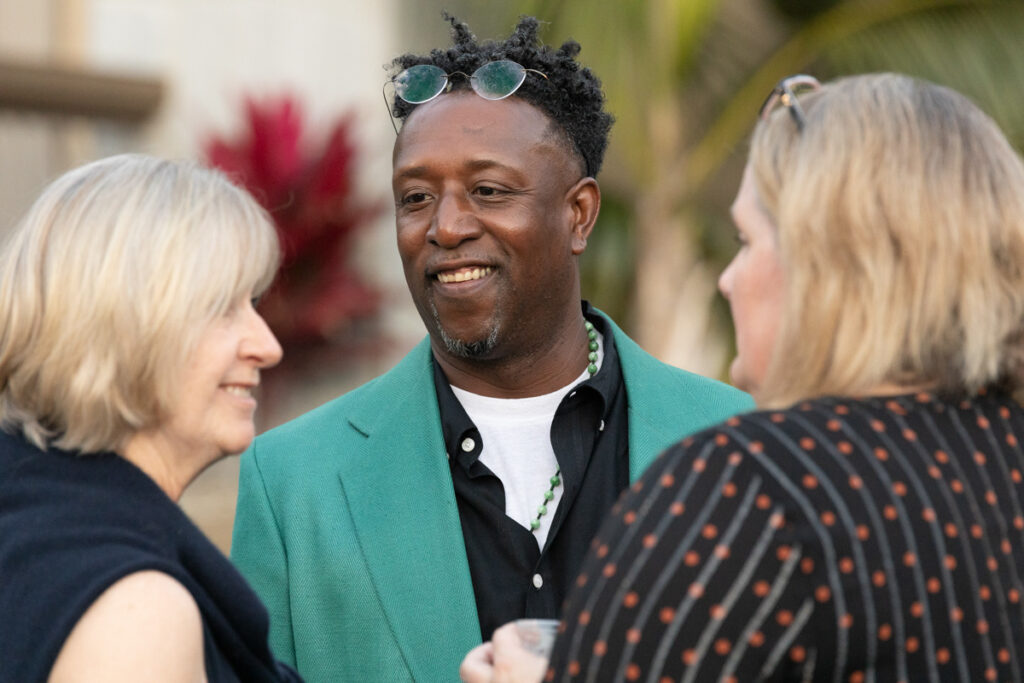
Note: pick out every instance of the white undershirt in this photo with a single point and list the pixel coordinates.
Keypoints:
(516, 436)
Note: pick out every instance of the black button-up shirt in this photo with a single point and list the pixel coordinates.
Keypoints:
(512, 578)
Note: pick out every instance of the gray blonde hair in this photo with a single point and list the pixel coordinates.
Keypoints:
(900, 215)
(105, 286)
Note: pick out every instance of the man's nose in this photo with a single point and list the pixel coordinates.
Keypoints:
(454, 222)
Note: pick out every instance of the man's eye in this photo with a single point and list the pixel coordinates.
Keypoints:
(485, 191)
(414, 198)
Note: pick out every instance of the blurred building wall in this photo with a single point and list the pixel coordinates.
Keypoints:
(209, 55)
(27, 152)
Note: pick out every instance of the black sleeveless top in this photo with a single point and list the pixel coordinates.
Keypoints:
(71, 526)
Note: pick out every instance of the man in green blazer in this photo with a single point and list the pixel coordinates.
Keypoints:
(392, 529)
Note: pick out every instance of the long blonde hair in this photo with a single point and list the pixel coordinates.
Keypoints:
(106, 284)
(900, 211)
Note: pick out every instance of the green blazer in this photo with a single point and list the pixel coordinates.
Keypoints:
(348, 530)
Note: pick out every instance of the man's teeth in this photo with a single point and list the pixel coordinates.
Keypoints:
(244, 392)
(464, 275)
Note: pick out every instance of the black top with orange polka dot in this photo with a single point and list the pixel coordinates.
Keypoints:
(839, 540)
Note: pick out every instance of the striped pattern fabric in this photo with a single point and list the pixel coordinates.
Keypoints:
(839, 540)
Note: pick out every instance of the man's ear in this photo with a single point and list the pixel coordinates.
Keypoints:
(584, 201)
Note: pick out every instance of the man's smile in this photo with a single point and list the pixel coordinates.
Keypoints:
(463, 274)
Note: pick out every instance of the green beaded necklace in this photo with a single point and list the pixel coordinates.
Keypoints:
(556, 480)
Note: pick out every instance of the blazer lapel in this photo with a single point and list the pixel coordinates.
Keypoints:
(400, 496)
(654, 394)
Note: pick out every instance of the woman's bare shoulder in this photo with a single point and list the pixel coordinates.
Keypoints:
(145, 627)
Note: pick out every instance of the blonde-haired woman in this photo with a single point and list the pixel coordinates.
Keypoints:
(868, 524)
(129, 350)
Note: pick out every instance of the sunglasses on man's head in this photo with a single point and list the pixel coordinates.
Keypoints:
(492, 81)
(785, 93)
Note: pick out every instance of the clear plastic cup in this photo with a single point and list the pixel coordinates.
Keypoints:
(537, 635)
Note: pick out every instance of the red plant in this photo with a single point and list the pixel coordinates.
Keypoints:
(311, 197)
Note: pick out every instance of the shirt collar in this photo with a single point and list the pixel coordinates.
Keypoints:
(456, 426)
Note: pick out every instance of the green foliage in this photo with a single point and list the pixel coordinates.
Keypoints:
(975, 50)
(607, 267)
(803, 10)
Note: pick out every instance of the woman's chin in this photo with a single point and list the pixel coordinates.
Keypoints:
(737, 376)
(741, 379)
(237, 444)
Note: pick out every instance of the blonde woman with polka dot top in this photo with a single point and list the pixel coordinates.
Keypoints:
(867, 524)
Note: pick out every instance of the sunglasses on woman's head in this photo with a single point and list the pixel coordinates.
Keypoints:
(492, 81)
(785, 93)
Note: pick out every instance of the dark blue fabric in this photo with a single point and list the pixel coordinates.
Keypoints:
(71, 526)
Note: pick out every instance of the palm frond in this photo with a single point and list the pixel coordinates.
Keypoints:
(978, 53)
(808, 43)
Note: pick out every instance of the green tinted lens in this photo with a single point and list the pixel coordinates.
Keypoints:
(496, 80)
(420, 83)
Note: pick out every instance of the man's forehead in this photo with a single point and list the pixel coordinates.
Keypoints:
(469, 120)
(467, 113)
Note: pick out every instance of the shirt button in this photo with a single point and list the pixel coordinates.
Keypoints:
(468, 444)
(600, 427)
(538, 581)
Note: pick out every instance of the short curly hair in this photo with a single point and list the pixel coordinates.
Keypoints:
(570, 95)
